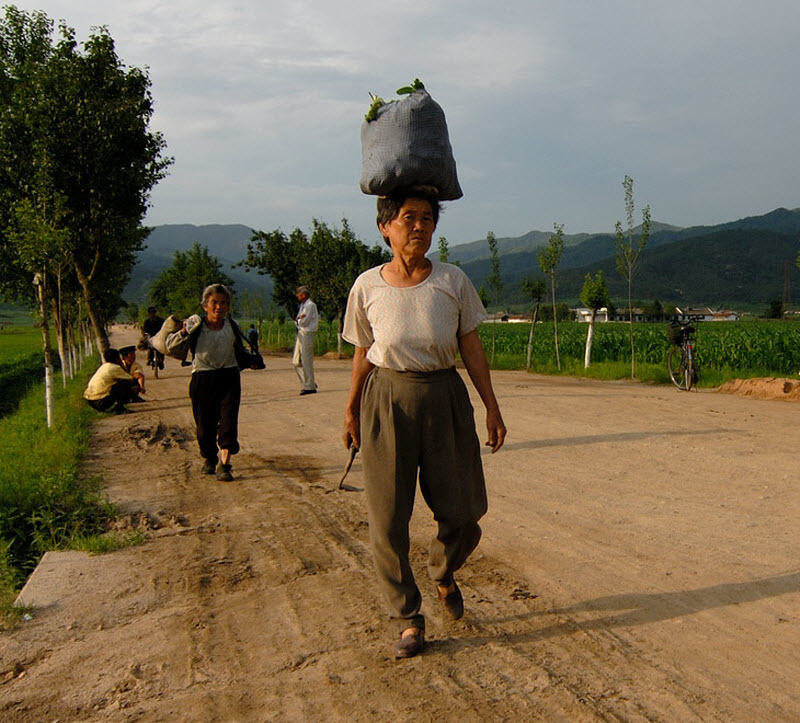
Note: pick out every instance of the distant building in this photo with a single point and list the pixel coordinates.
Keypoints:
(502, 317)
(624, 315)
(705, 314)
(585, 315)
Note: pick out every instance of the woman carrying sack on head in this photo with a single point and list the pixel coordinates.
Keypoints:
(409, 411)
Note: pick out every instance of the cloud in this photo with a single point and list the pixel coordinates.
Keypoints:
(548, 104)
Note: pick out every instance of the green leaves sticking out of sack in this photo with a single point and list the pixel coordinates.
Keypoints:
(405, 143)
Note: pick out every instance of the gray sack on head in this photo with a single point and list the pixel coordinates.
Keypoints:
(408, 145)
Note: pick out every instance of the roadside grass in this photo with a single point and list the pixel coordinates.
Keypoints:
(107, 541)
(45, 503)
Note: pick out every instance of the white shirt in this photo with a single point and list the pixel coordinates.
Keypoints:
(414, 328)
(307, 316)
(214, 349)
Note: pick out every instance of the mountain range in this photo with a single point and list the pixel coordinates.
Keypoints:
(738, 263)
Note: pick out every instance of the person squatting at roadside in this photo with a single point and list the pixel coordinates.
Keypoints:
(111, 386)
(127, 355)
(215, 387)
(408, 409)
(307, 322)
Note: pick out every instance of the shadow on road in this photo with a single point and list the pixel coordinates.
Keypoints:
(633, 609)
(604, 438)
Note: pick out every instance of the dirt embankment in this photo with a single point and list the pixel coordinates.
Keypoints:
(766, 388)
(639, 562)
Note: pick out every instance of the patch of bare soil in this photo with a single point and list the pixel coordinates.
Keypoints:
(764, 388)
(639, 562)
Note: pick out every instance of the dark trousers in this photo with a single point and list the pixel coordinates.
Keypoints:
(215, 399)
(120, 393)
(422, 424)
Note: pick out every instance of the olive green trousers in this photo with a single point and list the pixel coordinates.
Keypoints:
(419, 423)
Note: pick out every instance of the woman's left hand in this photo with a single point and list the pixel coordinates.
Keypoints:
(495, 428)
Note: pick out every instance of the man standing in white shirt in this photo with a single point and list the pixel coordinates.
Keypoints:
(307, 323)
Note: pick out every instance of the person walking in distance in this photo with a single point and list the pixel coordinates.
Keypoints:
(252, 337)
(307, 322)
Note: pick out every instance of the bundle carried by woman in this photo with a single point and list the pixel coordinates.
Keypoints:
(405, 143)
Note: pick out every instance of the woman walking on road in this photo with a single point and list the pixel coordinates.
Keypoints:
(215, 388)
(409, 412)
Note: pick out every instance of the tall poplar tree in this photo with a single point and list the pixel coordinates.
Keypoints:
(628, 251)
(549, 259)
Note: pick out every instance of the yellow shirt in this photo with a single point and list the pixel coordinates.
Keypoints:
(135, 369)
(103, 379)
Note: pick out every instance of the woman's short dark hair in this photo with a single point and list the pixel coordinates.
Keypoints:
(389, 206)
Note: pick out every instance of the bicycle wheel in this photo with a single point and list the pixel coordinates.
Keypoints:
(679, 366)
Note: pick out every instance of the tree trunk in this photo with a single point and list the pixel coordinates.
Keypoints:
(530, 337)
(74, 353)
(61, 336)
(41, 291)
(101, 337)
(630, 322)
(62, 350)
(555, 320)
(587, 357)
(339, 340)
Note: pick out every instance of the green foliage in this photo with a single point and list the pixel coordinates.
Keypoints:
(328, 262)
(180, 287)
(444, 251)
(550, 256)
(774, 310)
(376, 102)
(79, 160)
(408, 89)
(534, 289)
(495, 279)
(594, 294)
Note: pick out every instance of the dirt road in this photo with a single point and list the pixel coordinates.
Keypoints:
(640, 561)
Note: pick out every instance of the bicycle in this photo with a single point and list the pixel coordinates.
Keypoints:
(155, 359)
(681, 361)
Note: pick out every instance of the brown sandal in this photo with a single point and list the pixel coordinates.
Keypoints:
(453, 601)
(410, 645)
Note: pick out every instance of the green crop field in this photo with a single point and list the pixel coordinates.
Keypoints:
(749, 348)
(17, 342)
(20, 364)
(724, 350)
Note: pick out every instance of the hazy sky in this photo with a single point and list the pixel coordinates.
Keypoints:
(549, 105)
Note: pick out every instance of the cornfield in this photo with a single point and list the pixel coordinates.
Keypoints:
(765, 347)
(770, 347)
